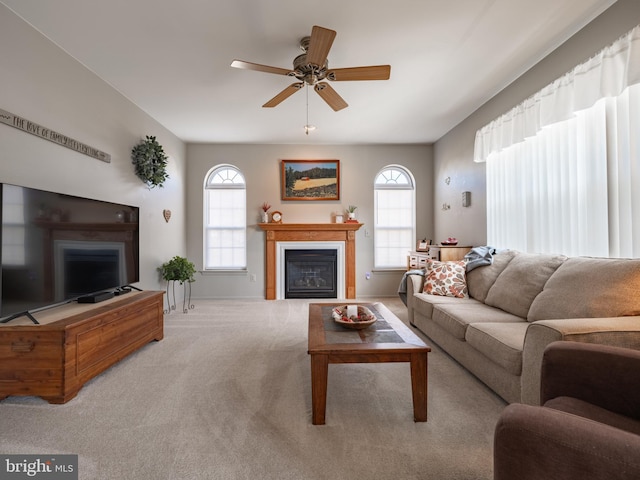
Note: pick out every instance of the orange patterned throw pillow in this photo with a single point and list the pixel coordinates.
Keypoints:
(447, 279)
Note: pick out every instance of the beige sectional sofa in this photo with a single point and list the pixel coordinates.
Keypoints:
(521, 303)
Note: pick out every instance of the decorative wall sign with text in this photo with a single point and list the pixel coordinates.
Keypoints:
(51, 135)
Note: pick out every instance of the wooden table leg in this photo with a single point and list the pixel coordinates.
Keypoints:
(419, 386)
(319, 374)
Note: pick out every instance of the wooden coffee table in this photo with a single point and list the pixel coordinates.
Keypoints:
(387, 340)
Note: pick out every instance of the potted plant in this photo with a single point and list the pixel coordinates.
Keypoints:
(351, 212)
(150, 162)
(178, 269)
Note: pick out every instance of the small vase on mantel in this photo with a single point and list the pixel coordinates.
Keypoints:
(264, 214)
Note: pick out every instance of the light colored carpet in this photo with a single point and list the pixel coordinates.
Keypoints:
(227, 395)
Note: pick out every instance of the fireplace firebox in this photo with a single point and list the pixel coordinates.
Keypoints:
(311, 273)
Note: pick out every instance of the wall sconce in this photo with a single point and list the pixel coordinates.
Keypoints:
(447, 180)
(466, 199)
(446, 206)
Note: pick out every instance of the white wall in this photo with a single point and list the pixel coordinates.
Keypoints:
(453, 153)
(261, 166)
(43, 84)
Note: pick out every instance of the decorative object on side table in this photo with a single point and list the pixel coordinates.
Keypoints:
(450, 242)
(180, 270)
(355, 317)
(423, 245)
(265, 212)
(150, 162)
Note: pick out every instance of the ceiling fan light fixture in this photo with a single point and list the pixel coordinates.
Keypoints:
(311, 69)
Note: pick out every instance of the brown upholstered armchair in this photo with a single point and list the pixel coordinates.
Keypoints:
(588, 426)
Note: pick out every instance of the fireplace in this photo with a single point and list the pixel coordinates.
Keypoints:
(321, 248)
(310, 236)
(311, 274)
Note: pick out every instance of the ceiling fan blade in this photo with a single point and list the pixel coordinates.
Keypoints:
(330, 96)
(319, 45)
(284, 94)
(260, 68)
(374, 72)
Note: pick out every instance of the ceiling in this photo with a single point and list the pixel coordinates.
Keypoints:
(172, 59)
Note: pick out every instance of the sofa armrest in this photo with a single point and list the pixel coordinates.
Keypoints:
(602, 375)
(415, 284)
(615, 331)
(535, 443)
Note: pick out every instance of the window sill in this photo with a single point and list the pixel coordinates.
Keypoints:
(242, 271)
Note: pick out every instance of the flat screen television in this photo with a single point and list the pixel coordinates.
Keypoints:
(56, 248)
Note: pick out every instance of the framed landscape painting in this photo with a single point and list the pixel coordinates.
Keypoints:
(310, 179)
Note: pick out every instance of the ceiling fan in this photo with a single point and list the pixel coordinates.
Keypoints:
(312, 68)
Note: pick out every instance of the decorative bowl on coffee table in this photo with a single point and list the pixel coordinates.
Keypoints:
(364, 318)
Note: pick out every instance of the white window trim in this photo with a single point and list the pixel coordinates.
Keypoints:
(207, 185)
(410, 186)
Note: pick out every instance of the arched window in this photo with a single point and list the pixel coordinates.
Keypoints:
(225, 219)
(395, 217)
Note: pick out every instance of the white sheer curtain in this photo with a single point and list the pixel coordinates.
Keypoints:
(563, 168)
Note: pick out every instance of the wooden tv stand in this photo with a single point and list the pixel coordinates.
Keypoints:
(75, 342)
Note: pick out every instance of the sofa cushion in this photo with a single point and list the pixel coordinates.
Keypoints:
(590, 287)
(521, 281)
(480, 279)
(456, 317)
(423, 303)
(501, 342)
(446, 279)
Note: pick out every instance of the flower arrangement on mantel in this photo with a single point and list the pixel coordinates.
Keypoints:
(265, 209)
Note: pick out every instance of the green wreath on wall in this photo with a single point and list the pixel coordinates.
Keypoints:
(150, 162)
